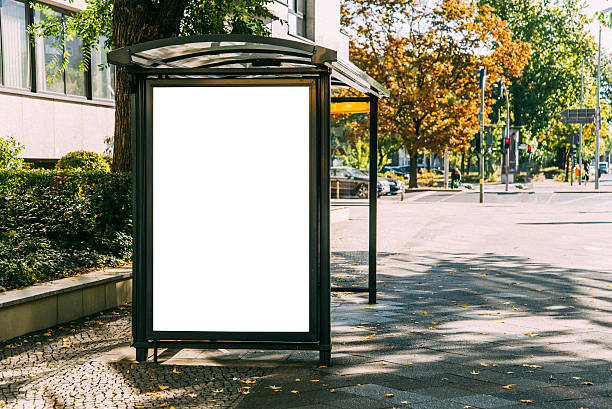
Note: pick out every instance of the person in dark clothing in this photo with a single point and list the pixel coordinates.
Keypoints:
(455, 178)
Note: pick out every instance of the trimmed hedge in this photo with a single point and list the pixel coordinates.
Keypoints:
(82, 160)
(55, 224)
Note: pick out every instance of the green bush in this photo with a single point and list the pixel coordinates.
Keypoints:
(56, 224)
(10, 150)
(551, 172)
(82, 160)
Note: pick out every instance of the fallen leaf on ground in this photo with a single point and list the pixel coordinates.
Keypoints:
(163, 387)
(530, 334)
(388, 395)
(175, 370)
(474, 372)
(484, 364)
(526, 401)
(508, 386)
(333, 390)
(588, 383)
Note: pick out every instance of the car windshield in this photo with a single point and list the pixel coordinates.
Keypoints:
(358, 173)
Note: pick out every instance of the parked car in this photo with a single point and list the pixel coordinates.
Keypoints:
(350, 182)
(396, 186)
(603, 167)
(382, 182)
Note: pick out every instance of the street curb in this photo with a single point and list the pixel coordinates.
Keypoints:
(582, 191)
(433, 189)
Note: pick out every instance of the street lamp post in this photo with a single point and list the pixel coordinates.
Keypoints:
(598, 110)
(507, 153)
(483, 79)
(581, 104)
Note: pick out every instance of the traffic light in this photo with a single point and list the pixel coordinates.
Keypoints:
(475, 143)
(498, 91)
(528, 148)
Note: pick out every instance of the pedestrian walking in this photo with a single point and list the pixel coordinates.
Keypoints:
(586, 173)
(455, 179)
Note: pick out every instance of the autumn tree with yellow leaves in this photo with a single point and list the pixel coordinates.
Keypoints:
(428, 54)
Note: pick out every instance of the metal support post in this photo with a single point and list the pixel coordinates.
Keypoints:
(507, 153)
(325, 291)
(373, 199)
(598, 113)
(507, 156)
(483, 79)
(572, 165)
(581, 101)
(445, 168)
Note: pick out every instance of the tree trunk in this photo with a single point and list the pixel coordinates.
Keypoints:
(137, 21)
(414, 168)
(463, 163)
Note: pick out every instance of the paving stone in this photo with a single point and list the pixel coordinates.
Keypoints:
(482, 401)
(389, 394)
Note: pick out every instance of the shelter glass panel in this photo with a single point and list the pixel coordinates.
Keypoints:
(349, 195)
(231, 225)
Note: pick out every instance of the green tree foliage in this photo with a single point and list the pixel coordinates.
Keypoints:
(427, 55)
(10, 149)
(560, 42)
(127, 22)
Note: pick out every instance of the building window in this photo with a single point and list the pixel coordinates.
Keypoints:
(16, 64)
(297, 17)
(14, 49)
(49, 61)
(75, 77)
(102, 74)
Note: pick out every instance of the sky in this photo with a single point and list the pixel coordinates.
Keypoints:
(606, 35)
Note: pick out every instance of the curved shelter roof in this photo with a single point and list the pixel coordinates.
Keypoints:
(240, 54)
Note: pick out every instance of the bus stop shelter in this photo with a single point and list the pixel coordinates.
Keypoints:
(232, 250)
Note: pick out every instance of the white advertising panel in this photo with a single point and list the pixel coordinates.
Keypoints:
(231, 208)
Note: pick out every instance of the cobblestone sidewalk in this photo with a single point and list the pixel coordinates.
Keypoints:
(82, 365)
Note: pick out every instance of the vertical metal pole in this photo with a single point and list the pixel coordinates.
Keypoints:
(483, 79)
(598, 113)
(446, 168)
(137, 101)
(516, 155)
(572, 165)
(581, 100)
(324, 103)
(373, 199)
(507, 146)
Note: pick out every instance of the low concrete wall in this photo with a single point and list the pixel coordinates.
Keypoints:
(48, 304)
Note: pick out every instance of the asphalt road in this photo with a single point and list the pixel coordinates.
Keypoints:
(565, 229)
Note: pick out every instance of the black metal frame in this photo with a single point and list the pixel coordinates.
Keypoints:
(318, 337)
(256, 61)
(372, 217)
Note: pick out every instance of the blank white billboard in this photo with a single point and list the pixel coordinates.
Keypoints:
(231, 208)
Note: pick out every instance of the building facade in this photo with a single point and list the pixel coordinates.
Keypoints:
(51, 111)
